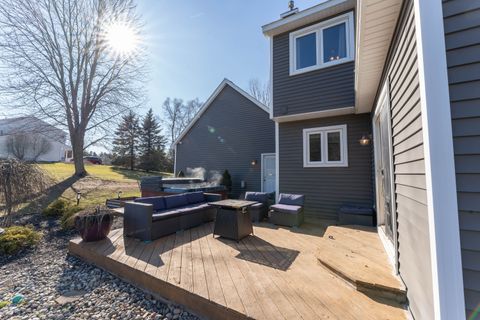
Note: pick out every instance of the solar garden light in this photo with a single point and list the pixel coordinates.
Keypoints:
(79, 195)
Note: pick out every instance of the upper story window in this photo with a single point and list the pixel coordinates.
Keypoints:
(321, 45)
(325, 147)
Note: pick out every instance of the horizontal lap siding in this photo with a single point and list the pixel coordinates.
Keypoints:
(326, 189)
(462, 40)
(231, 133)
(318, 90)
(409, 167)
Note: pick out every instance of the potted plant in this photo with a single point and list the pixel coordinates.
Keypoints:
(226, 181)
(94, 225)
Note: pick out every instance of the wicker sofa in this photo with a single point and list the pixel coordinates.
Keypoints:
(288, 211)
(150, 218)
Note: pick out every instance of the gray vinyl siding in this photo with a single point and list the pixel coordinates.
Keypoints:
(231, 133)
(462, 40)
(323, 89)
(327, 188)
(401, 74)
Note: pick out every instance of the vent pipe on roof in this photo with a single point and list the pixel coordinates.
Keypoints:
(293, 10)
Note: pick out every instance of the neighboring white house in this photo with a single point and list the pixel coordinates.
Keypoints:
(34, 128)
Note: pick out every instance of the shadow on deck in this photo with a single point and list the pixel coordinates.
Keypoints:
(274, 274)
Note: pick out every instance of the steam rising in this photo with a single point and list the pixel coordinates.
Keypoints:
(213, 178)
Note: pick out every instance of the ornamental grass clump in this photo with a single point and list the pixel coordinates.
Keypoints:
(67, 220)
(17, 238)
(57, 208)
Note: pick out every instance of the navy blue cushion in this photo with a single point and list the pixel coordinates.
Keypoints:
(157, 202)
(291, 199)
(195, 197)
(176, 201)
(256, 196)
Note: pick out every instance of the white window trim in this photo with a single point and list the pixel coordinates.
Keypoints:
(323, 131)
(318, 29)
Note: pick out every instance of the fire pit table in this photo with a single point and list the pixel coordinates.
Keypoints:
(233, 219)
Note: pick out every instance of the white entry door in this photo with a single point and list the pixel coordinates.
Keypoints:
(268, 172)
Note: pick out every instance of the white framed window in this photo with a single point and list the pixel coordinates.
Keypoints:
(322, 45)
(325, 147)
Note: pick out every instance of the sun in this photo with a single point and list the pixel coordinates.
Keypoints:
(122, 39)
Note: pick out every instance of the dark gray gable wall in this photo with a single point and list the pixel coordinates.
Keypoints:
(231, 133)
(327, 188)
(401, 74)
(323, 89)
(462, 40)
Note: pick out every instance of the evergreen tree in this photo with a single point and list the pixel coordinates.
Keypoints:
(151, 144)
(126, 141)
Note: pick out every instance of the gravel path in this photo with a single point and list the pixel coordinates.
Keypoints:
(59, 286)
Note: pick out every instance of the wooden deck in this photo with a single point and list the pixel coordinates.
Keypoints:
(272, 275)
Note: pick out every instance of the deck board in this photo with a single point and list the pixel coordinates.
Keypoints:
(272, 275)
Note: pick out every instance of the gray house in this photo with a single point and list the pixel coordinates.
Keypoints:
(233, 132)
(377, 103)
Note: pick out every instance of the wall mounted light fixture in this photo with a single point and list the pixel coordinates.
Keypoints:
(365, 139)
(254, 162)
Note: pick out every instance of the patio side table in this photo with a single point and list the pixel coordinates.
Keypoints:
(233, 219)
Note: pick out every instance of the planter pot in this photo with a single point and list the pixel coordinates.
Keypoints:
(94, 227)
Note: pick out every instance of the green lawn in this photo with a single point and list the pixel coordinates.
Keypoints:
(62, 171)
(103, 182)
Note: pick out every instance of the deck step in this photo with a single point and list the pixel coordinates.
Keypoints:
(356, 254)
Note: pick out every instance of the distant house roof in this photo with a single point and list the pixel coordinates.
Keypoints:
(31, 125)
(207, 104)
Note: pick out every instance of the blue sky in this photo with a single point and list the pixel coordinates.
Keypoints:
(193, 45)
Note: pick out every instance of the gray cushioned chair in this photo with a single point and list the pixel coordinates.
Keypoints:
(288, 211)
(258, 211)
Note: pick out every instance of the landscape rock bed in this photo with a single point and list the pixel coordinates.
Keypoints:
(56, 285)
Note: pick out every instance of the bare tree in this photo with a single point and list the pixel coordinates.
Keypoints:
(40, 146)
(260, 91)
(28, 147)
(177, 115)
(59, 61)
(17, 145)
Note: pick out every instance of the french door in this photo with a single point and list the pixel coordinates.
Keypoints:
(386, 207)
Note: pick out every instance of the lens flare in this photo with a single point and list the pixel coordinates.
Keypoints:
(122, 39)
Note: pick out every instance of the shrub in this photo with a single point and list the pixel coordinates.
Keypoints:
(20, 182)
(226, 180)
(56, 208)
(67, 220)
(17, 238)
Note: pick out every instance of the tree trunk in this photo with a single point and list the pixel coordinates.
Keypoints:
(77, 148)
(132, 160)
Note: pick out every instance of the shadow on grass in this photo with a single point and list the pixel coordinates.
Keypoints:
(50, 195)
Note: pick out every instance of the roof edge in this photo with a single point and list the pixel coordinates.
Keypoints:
(212, 97)
(295, 20)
